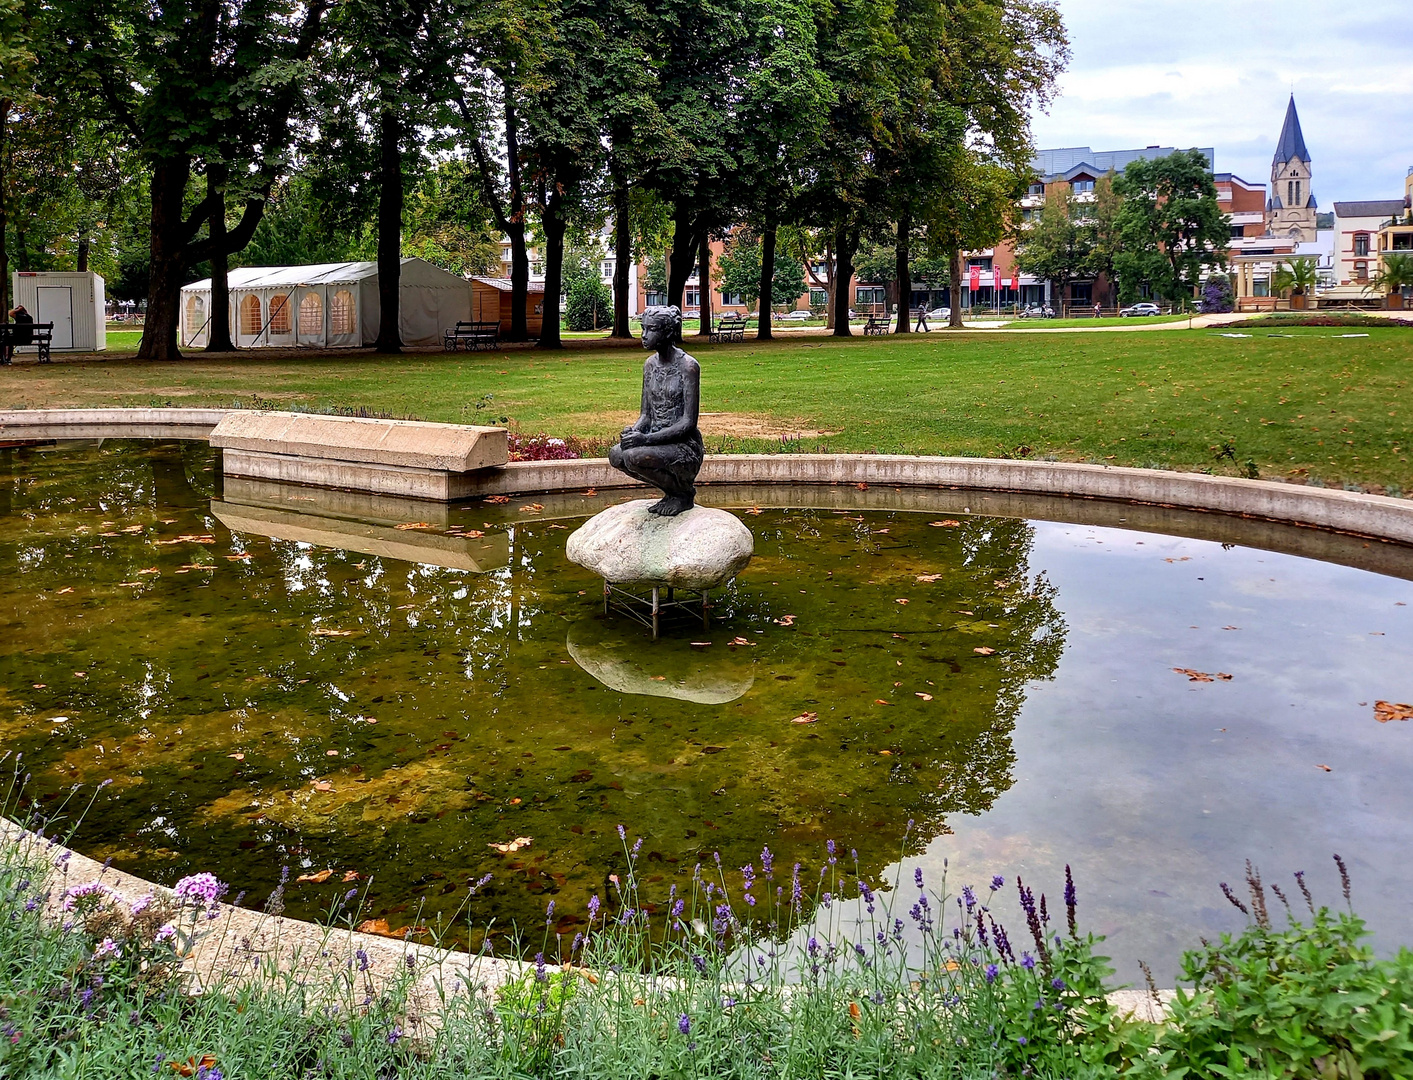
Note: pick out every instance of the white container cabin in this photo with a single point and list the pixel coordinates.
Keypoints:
(73, 301)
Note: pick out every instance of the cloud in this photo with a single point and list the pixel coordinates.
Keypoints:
(1203, 73)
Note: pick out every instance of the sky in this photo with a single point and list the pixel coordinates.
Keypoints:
(1202, 73)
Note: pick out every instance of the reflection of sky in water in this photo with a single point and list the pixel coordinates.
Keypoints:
(1155, 789)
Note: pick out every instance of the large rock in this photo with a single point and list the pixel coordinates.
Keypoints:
(700, 549)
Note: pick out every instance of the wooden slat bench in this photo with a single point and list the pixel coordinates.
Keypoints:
(471, 336)
(877, 324)
(20, 335)
(730, 328)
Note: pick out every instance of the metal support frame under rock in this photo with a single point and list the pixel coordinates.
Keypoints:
(650, 609)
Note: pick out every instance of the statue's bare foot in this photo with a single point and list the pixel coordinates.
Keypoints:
(670, 506)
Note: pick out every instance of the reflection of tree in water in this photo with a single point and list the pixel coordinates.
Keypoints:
(485, 730)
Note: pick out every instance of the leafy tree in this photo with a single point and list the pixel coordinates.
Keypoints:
(1296, 278)
(1217, 296)
(186, 82)
(588, 301)
(1059, 247)
(1171, 230)
(739, 271)
(1395, 274)
(976, 212)
(16, 85)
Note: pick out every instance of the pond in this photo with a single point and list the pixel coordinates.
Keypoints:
(276, 677)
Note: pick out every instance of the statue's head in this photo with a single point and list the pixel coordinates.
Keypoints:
(661, 326)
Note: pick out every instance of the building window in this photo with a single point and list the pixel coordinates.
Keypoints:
(311, 316)
(1361, 271)
(1260, 286)
(819, 298)
(1238, 231)
(1037, 189)
(694, 298)
(1297, 193)
(1082, 294)
(606, 268)
(1082, 185)
(868, 296)
(655, 299)
(1402, 242)
(341, 314)
(731, 299)
(250, 315)
(279, 314)
(195, 315)
(1361, 244)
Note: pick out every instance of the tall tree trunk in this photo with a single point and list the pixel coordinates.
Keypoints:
(704, 285)
(954, 262)
(167, 263)
(767, 279)
(519, 255)
(553, 223)
(622, 256)
(683, 254)
(4, 187)
(389, 231)
(218, 324)
(845, 243)
(81, 263)
(902, 273)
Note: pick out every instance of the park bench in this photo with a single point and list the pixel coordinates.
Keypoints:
(19, 335)
(877, 324)
(471, 336)
(730, 328)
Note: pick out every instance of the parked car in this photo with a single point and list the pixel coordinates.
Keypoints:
(1036, 311)
(1139, 310)
(798, 315)
(940, 314)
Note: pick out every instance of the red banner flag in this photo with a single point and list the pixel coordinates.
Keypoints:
(1015, 282)
(996, 279)
(975, 278)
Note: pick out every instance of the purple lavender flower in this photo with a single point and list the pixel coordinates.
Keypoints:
(991, 972)
(348, 896)
(540, 975)
(1059, 983)
(410, 961)
(593, 907)
(31, 904)
(203, 889)
(699, 962)
(917, 877)
(622, 833)
(1027, 961)
(209, 1073)
(394, 1035)
(968, 897)
(684, 1024)
(678, 908)
(637, 847)
(829, 846)
(86, 1000)
(1071, 901)
(997, 882)
(549, 913)
(748, 876)
(812, 946)
(796, 892)
(363, 962)
(767, 861)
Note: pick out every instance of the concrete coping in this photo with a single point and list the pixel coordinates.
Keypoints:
(411, 444)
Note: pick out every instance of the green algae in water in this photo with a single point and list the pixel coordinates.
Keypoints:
(261, 702)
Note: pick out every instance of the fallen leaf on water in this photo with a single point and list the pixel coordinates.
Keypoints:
(928, 579)
(1325, 767)
(1184, 558)
(805, 718)
(150, 570)
(885, 753)
(984, 650)
(473, 533)
(331, 753)
(323, 785)
(1202, 676)
(901, 600)
(755, 510)
(740, 641)
(61, 592)
(880, 701)
(318, 879)
(515, 801)
(238, 558)
(81, 674)
(948, 524)
(1385, 711)
(559, 526)
(785, 620)
(659, 678)
(876, 531)
(415, 525)
(133, 529)
(237, 757)
(375, 926)
(699, 644)
(925, 697)
(128, 584)
(591, 492)
(324, 632)
(533, 508)
(511, 846)
(497, 499)
(861, 486)
(350, 875)
(1231, 628)
(187, 538)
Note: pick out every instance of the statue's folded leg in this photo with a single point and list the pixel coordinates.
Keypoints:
(671, 467)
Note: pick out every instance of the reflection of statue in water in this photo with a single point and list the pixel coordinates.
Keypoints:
(664, 448)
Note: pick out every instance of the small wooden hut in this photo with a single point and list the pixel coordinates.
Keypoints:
(491, 301)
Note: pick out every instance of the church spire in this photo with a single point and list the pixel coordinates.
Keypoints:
(1291, 146)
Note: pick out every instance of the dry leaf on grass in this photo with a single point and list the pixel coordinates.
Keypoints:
(805, 718)
(511, 846)
(1385, 711)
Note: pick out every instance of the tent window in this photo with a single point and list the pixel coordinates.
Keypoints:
(311, 316)
(279, 315)
(195, 315)
(250, 315)
(341, 313)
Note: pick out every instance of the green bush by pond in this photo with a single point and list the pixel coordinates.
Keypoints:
(732, 979)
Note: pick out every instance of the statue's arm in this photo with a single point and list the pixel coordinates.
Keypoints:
(691, 406)
(636, 434)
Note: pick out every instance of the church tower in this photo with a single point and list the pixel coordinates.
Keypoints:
(1290, 210)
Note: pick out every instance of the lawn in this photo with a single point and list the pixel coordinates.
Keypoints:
(1308, 404)
(1091, 323)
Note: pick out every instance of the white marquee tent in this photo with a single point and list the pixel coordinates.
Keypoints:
(330, 305)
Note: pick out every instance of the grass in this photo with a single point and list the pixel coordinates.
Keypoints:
(1090, 324)
(1307, 405)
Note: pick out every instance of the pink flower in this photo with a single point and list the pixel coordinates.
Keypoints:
(166, 932)
(106, 948)
(73, 896)
(201, 889)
